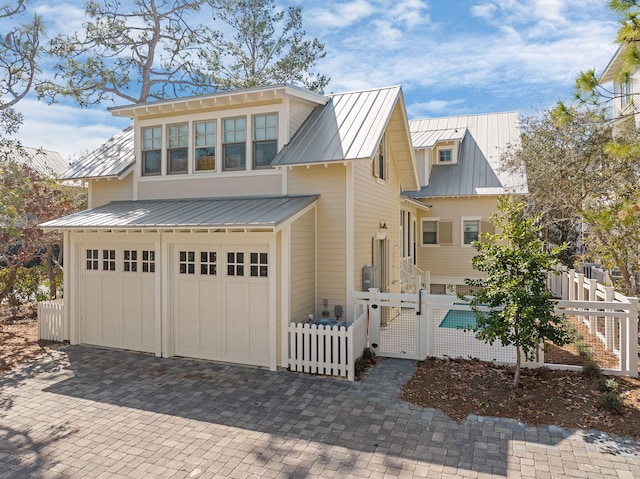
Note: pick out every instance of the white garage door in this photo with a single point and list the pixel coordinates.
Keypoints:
(220, 303)
(117, 300)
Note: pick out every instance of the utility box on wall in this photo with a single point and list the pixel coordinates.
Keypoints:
(370, 277)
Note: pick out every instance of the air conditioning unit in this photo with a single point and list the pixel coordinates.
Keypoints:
(370, 277)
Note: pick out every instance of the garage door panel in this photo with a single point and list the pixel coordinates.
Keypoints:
(237, 320)
(186, 318)
(92, 309)
(259, 322)
(132, 310)
(209, 319)
(111, 311)
(148, 313)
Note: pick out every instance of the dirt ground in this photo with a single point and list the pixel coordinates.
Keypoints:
(457, 387)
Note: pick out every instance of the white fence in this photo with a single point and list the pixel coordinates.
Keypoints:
(51, 325)
(327, 350)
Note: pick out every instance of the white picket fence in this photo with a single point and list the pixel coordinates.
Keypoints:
(328, 350)
(51, 326)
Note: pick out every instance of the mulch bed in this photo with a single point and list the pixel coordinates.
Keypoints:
(459, 387)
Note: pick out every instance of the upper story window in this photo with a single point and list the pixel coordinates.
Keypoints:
(151, 151)
(205, 145)
(178, 149)
(379, 161)
(625, 93)
(233, 143)
(444, 155)
(265, 139)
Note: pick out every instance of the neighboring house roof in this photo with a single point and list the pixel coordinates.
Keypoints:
(45, 162)
(348, 127)
(113, 159)
(477, 171)
(232, 212)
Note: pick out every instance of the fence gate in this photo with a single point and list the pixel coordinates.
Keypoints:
(396, 325)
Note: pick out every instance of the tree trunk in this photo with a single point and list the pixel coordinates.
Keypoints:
(516, 374)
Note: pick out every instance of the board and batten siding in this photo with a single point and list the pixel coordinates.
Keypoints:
(330, 183)
(385, 195)
(104, 191)
(192, 186)
(452, 260)
(303, 265)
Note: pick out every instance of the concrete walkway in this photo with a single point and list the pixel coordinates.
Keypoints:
(88, 412)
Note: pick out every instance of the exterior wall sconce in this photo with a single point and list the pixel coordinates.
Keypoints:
(383, 225)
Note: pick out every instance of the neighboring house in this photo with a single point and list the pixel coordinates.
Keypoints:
(458, 161)
(219, 219)
(45, 162)
(625, 88)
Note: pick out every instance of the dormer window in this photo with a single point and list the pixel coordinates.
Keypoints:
(178, 149)
(444, 155)
(233, 146)
(265, 139)
(151, 151)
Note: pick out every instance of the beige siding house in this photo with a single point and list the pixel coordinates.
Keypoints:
(216, 221)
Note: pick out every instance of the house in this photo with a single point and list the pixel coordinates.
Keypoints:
(217, 220)
(625, 87)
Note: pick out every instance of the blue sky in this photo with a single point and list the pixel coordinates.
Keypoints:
(450, 56)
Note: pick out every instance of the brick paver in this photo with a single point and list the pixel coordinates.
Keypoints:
(93, 413)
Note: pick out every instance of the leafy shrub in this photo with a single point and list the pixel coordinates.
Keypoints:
(611, 401)
(591, 369)
(608, 384)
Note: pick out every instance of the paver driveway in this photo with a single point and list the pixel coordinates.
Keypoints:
(89, 412)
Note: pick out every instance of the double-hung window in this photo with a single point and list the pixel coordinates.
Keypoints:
(151, 151)
(205, 145)
(429, 232)
(265, 139)
(379, 161)
(178, 149)
(470, 231)
(233, 145)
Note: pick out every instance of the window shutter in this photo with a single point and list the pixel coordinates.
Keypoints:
(488, 228)
(445, 232)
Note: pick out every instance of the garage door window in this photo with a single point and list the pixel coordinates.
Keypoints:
(187, 262)
(130, 261)
(108, 260)
(235, 264)
(259, 265)
(208, 263)
(148, 261)
(92, 259)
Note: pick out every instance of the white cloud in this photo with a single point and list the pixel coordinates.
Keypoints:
(434, 108)
(485, 11)
(340, 15)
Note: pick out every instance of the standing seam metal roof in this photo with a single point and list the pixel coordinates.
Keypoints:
(231, 212)
(348, 127)
(477, 171)
(45, 162)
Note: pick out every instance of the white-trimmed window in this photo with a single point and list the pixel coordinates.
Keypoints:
(430, 232)
(205, 145)
(470, 230)
(187, 262)
(148, 261)
(152, 151)
(108, 260)
(625, 93)
(446, 153)
(259, 264)
(233, 143)
(92, 259)
(235, 264)
(380, 160)
(208, 263)
(130, 261)
(265, 139)
(178, 149)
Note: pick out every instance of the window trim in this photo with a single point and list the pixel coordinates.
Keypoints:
(196, 147)
(430, 219)
(452, 146)
(380, 163)
(143, 150)
(225, 144)
(169, 148)
(255, 142)
(464, 219)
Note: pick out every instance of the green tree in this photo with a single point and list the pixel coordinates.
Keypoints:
(516, 263)
(268, 46)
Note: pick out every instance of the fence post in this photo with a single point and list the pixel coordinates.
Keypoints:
(629, 350)
(572, 286)
(593, 289)
(374, 320)
(609, 330)
(423, 328)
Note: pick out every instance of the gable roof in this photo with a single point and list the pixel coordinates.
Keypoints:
(113, 159)
(477, 171)
(613, 67)
(429, 138)
(257, 212)
(350, 127)
(45, 162)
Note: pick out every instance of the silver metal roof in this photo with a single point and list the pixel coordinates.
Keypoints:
(244, 212)
(348, 127)
(477, 171)
(45, 162)
(112, 159)
(428, 139)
